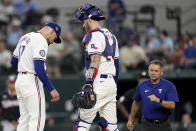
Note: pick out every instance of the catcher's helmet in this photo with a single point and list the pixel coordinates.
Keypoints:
(89, 11)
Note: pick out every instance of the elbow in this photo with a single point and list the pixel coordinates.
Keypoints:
(14, 61)
(173, 105)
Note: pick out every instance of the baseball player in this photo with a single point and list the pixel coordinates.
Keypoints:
(102, 69)
(9, 107)
(30, 56)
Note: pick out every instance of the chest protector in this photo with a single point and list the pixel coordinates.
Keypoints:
(109, 48)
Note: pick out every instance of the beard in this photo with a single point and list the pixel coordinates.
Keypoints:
(87, 28)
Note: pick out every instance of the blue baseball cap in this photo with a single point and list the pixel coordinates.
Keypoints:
(57, 29)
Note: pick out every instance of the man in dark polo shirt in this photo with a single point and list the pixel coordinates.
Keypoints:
(158, 97)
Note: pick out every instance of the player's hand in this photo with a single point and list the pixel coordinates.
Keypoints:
(14, 123)
(130, 124)
(153, 98)
(55, 95)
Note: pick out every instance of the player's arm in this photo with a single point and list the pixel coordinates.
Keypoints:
(117, 66)
(172, 98)
(116, 62)
(14, 60)
(41, 73)
(164, 103)
(134, 109)
(168, 104)
(93, 70)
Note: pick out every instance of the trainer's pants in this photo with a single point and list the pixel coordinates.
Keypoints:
(105, 88)
(31, 98)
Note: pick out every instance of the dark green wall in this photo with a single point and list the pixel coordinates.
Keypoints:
(67, 86)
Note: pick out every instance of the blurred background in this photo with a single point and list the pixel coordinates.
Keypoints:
(145, 29)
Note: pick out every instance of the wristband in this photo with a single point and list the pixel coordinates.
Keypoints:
(91, 74)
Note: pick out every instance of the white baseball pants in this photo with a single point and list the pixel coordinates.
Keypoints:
(106, 91)
(31, 98)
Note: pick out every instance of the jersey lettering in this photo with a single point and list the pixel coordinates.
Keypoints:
(25, 40)
(21, 50)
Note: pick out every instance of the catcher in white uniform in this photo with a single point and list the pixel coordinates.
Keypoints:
(29, 56)
(102, 70)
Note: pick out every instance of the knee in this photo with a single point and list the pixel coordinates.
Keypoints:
(104, 125)
(81, 125)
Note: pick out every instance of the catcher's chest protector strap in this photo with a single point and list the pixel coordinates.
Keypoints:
(88, 36)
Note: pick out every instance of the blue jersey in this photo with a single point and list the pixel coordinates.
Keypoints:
(164, 90)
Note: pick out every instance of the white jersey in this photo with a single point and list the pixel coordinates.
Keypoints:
(32, 46)
(97, 45)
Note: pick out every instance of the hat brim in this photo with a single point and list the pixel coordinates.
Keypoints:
(98, 18)
(58, 40)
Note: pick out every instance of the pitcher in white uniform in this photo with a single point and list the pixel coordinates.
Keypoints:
(30, 56)
(102, 70)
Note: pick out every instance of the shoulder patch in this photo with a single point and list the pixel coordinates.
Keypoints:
(42, 53)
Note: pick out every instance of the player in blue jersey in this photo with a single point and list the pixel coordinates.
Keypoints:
(102, 69)
(158, 98)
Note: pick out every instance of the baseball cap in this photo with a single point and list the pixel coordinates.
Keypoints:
(12, 78)
(57, 29)
(143, 74)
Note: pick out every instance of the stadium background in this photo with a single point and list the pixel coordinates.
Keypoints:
(63, 112)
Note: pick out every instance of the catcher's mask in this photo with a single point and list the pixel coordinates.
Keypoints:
(89, 11)
(85, 101)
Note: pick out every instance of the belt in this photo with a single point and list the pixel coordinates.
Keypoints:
(24, 73)
(104, 76)
(155, 121)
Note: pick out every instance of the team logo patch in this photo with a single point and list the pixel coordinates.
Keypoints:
(42, 53)
(160, 90)
(93, 46)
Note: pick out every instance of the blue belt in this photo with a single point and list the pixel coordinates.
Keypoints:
(103, 76)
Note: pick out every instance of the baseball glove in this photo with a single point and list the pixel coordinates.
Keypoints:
(86, 98)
